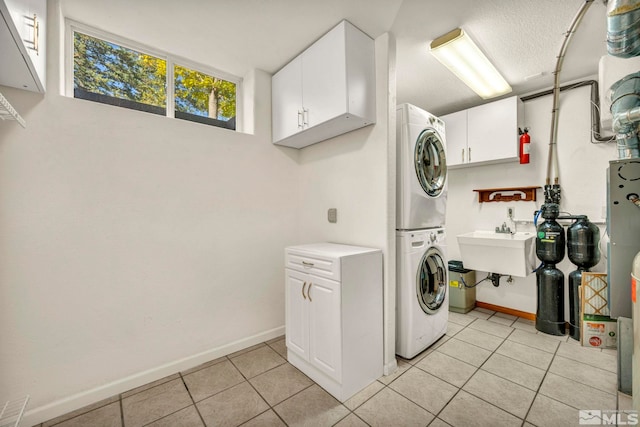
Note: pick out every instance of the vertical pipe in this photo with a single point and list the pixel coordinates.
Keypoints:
(556, 93)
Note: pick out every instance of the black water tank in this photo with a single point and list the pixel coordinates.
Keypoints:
(575, 280)
(550, 311)
(550, 242)
(583, 239)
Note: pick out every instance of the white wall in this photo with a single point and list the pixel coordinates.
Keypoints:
(353, 173)
(582, 178)
(133, 245)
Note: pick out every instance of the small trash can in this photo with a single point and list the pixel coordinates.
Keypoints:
(462, 299)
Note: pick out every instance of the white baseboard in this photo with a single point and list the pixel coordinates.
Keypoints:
(80, 400)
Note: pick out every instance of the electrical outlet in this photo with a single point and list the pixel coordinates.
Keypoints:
(332, 215)
(511, 212)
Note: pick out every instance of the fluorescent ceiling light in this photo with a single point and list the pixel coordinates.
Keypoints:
(463, 58)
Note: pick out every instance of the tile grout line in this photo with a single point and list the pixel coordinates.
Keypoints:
(437, 416)
(208, 365)
(150, 388)
(546, 371)
(477, 368)
(469, 379)
(270, 408)
(192, 399)
(544, 377)
(353, 411)
(121, 410)
(580, 382)
(524, 419)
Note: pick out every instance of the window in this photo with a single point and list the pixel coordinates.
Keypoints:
(112, 72)
(199, 95)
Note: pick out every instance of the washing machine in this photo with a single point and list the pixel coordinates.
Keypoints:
(421, 169)
(422, 300)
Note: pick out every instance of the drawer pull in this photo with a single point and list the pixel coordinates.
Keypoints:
(307, 264)
(304, 285)
(309, 292)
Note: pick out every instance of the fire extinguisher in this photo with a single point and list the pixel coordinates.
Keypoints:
(525, 143)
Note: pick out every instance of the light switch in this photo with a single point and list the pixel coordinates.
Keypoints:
(332, 215)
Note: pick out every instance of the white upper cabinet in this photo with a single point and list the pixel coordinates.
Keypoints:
(485, 134)
(327, 90)
(456, 137)
(324, 87)
(286, 87)
(23, 44)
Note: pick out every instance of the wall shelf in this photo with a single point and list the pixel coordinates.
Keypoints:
(7, 112)
(12, 411)
(512, 194)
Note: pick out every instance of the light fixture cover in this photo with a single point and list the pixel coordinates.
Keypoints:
(463, 58)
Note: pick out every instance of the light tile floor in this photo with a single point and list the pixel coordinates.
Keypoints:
(491, 369)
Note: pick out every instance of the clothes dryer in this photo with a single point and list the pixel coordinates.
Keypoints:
(422, 300)
(421, 169)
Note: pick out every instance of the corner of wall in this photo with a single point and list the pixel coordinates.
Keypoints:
(55, 48)
(386, 89)
(256, 103)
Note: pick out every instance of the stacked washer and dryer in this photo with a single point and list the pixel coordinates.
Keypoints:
(422, 304)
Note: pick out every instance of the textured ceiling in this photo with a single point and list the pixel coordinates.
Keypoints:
(521, 37)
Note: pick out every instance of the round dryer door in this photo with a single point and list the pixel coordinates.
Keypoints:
(431, 282)
(431, 162)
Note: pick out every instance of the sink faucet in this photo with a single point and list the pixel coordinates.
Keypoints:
(503, 229)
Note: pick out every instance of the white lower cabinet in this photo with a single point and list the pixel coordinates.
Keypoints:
(334, 315)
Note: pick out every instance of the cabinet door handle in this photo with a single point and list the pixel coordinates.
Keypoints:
(307, 264)
(309, 292)
(463, 155)
(300, 119)
(305, 117)
(469, 154)
(304, 285)
(36, 34)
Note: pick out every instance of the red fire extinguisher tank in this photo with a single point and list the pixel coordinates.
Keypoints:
(525, 143)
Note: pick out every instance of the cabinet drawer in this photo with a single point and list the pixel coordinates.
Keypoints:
(313, 264)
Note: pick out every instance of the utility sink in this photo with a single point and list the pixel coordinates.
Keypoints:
(502, 253)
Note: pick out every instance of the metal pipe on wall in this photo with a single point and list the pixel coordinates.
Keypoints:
(596, 137)
(552, 160)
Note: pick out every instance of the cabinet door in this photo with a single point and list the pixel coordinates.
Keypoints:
(297, 313)
(455, 130)
(36, 37)
(324, 85)
(493, 131)
(286, 100)
(29, 18)
(325, 333)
